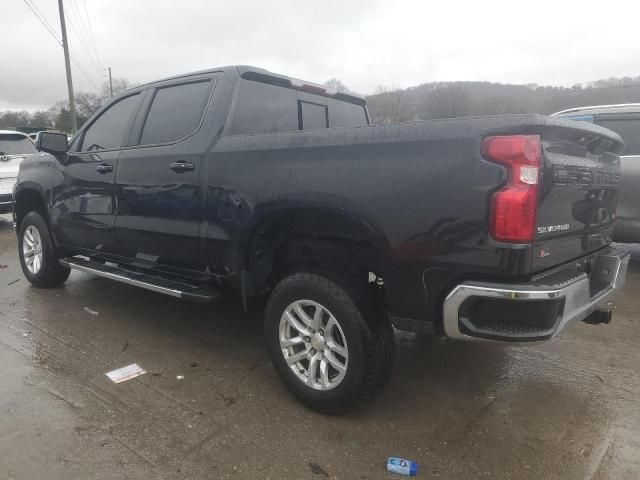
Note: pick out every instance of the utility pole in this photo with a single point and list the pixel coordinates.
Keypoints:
(110, 84)
(67, 64)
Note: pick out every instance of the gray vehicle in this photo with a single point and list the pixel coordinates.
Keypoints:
(14, 147)
(623, 119)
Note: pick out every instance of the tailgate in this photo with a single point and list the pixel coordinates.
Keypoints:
(578, 192)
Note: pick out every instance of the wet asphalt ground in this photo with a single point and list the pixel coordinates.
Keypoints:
(565, 409)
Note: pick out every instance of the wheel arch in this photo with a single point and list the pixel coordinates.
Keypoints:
(309, 233)
(29, 198)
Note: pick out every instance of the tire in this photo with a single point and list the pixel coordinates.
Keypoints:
(363, 334)
(45, 271)
(387, 339)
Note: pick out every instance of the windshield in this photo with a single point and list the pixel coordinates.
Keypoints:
(15, 145)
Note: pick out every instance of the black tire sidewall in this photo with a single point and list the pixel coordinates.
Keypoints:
(349, 316)
(50, 268)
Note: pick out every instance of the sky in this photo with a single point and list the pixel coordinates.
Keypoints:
(364, 43)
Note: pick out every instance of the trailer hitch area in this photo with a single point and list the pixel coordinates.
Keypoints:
(599, 316)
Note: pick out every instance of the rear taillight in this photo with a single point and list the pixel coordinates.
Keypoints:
(513, 208)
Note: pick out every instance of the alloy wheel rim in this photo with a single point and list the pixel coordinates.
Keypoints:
(313, 345)
(32, 249)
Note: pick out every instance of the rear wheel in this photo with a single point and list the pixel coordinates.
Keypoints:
(327, 340)
(38, 255)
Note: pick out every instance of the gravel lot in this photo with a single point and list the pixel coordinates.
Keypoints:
(566, 409)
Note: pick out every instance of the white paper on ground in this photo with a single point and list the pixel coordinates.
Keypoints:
(126, 373)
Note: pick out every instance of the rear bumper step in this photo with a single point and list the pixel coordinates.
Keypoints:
(168, 286)
(532, 312)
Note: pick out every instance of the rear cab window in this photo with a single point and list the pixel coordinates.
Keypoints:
(312, 116)
(345, 114)
(16, 144)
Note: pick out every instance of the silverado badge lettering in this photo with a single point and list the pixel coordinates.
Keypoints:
(553, 228)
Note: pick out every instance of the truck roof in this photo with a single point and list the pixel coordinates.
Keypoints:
(597, 109)
(265, 76)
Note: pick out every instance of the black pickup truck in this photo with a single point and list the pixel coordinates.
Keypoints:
(238, 179)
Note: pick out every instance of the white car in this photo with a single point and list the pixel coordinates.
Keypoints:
(14, 147)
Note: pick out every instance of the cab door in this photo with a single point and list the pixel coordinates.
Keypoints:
(84, 198)
(160, 198)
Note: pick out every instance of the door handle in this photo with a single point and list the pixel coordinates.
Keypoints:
(182, 166)
(104, 168)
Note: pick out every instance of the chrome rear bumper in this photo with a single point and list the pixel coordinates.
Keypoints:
(562, 297)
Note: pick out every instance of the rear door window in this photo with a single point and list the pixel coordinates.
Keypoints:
(628, 128)
(264, 108)
(175, 112)
(15, 144)
(109, 129)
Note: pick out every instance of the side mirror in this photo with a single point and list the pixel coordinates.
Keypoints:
(52, 142)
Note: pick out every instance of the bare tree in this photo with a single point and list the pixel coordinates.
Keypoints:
(385, 106)
(337, 85)
(11, 119)
(119, 85)
(43, 119)
(447, 100)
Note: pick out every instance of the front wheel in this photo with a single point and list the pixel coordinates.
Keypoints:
(327, 340)
(38, 255)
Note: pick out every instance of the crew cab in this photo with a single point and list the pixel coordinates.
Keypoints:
(240, 180)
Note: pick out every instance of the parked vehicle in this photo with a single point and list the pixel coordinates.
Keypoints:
(494, 228)
(623, 119)
(14, 147)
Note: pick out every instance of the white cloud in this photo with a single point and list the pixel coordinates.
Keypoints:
(362, 42)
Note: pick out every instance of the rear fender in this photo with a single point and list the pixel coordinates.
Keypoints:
(322, 221)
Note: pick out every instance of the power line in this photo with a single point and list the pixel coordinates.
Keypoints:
(83, 44)
(83, 35)
(93, 39)
(54, 34)
(49, 28)
(75, 61)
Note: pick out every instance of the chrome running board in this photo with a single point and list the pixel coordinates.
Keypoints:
(168, 286)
